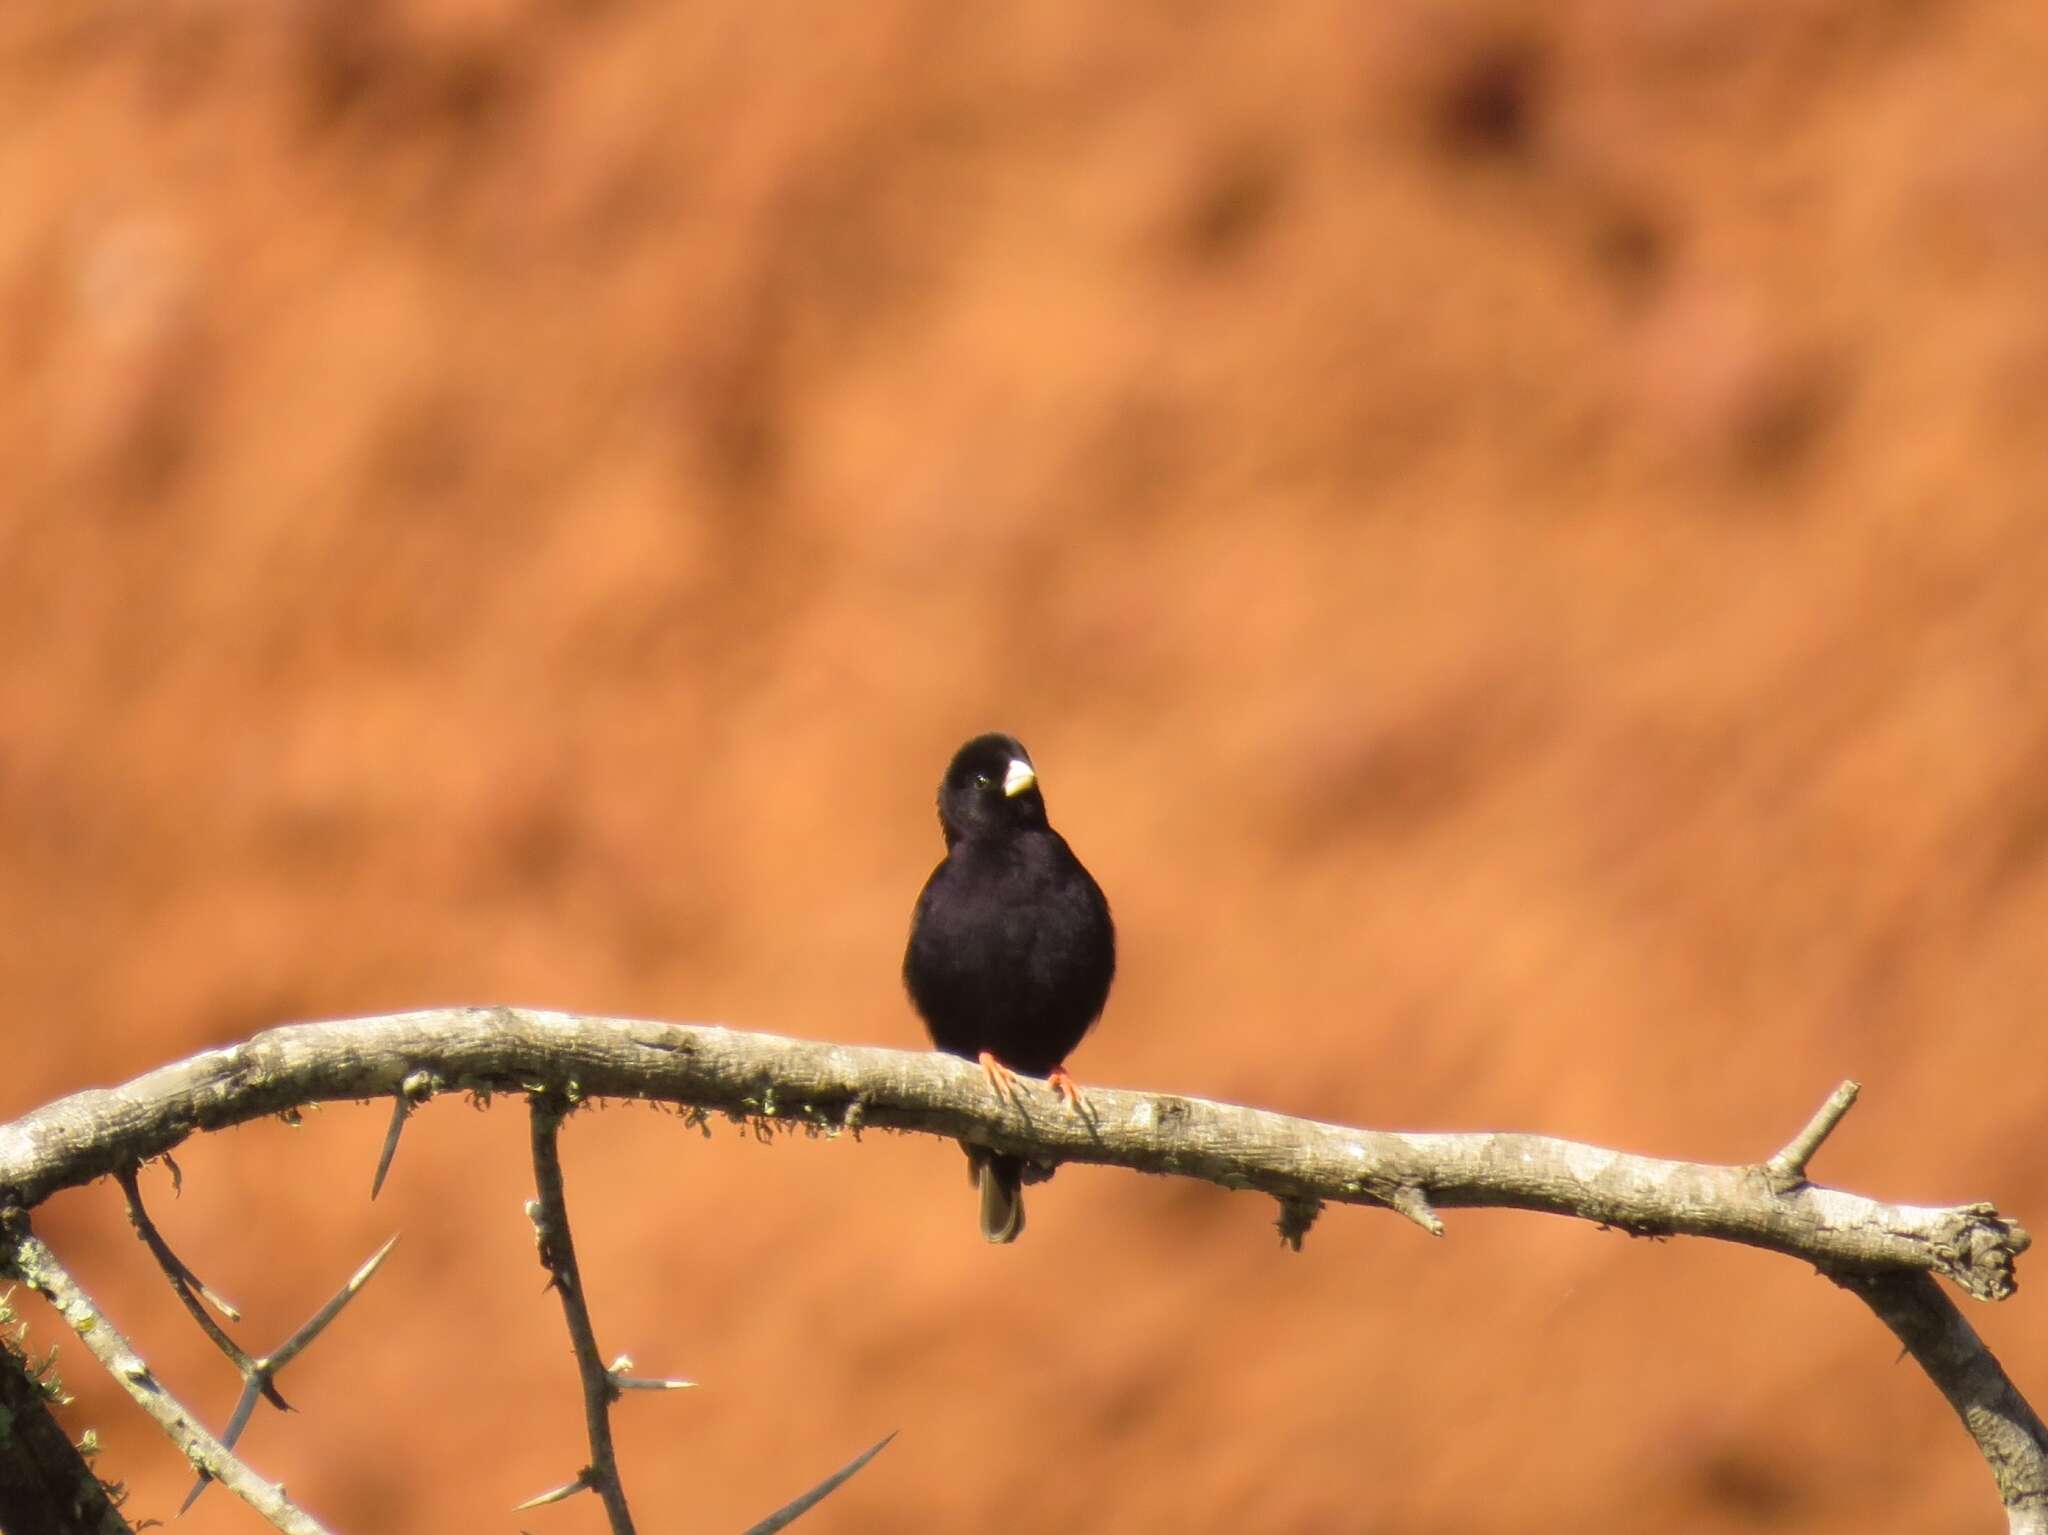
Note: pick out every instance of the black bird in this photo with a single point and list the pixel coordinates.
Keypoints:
(1011, 947)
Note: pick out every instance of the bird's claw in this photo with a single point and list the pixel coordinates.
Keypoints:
(1003, 1082)
(1070, 1090)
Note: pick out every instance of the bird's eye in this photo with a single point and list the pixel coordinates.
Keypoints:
(984, 781)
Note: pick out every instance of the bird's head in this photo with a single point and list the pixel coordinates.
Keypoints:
(990, 788)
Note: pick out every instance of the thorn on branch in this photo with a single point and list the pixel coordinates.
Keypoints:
(1787, 1170)
(556, 1494)
(784, 1516)
(259, 1375)
(650, 1383)
(401, 1109)
(623, 1378)
(1413, 1203)
(543, 1245)
(1404, 1199)
(317, 1323)
(415, 1090)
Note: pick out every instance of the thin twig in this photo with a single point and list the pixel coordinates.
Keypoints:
(550, 1213)
(38, 1267)
(179, 1271)
(186, 1284)
(1787, 1170)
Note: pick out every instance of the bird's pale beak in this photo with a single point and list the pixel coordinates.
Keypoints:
(1020, 777)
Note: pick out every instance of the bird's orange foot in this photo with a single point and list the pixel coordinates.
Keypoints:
(1070, 1090)
(1002, 1081)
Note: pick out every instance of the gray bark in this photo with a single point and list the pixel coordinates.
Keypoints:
(1881, 1251)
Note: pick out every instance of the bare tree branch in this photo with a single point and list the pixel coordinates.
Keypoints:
(829, 1087)
(550, 1212)
(46, 1482)
(1872, 1247)
(23, 1254)
(2006, 1429)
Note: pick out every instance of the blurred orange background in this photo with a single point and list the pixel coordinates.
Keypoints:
(1514, 533)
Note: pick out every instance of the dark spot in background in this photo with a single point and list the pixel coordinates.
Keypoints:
(1632, 249)
(357, 68)
(1234, 201)
(1789, 413)
(424, 446)
(1747, 1485)
(1489, 105)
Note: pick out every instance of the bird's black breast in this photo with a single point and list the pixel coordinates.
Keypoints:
(1011, 951)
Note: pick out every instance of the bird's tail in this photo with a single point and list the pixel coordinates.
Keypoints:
(1002, 1195)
